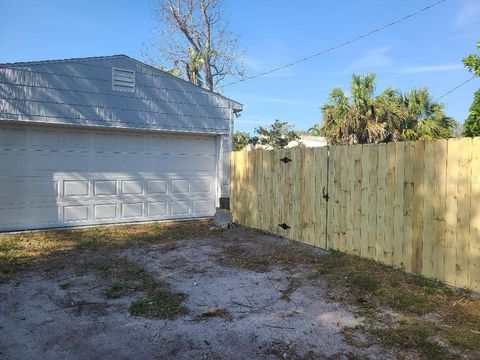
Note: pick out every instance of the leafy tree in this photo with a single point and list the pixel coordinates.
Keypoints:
(472, 62)
(240, 140)
(193, 36)
(315, 130)
(363, 117)
(471, 127)
(277, 135)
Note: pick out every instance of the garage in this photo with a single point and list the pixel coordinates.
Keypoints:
(168, 159)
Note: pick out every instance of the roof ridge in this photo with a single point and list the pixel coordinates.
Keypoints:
(87, 58)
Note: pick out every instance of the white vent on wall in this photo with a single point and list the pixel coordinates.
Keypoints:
(123, 80)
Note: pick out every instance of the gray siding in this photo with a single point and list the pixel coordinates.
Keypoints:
(79, 92)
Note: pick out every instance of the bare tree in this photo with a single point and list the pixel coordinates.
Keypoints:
(193, 36)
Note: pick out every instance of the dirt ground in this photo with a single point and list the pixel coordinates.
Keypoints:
(60, 310)
(218, 301)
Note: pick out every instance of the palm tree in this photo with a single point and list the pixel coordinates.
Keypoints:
(363, 117)
(354, 119)
(196, 62)
(424, 118)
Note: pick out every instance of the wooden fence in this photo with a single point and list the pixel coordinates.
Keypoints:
(413, 205)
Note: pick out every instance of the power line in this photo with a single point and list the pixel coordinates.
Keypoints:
(455, 88)
(406, 17)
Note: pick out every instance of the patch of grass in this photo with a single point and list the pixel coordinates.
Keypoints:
(418, 337)
(284, 256)
(159, 303)
(24, 250)
(128, 278)
(118, 290)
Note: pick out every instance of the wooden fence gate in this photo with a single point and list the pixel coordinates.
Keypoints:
(281, 192)
(413, 205)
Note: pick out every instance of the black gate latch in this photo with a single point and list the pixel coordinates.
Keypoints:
(325, 195)
(284, 226)
(285, 160)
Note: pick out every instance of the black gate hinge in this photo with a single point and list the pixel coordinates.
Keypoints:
(284, 226)
(285, 160)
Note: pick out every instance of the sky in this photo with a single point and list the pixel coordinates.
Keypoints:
(424, 51)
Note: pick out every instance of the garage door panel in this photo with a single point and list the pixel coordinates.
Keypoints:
(104, 187)
(201, 186)
(180, 207)
(75, 188)
(75, 213)
(62, 177)
(104, 212)
(131, 210)
(158, 208)
(156, 187)
(202, 207)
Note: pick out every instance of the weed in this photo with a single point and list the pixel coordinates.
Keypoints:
(160, 303)
(293, 285)
(215, 313)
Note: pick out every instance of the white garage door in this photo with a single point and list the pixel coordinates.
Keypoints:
(51, 177)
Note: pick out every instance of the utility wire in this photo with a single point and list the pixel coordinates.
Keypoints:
(338, 46)
(455, 88)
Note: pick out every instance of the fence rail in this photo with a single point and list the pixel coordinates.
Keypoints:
(414, 205)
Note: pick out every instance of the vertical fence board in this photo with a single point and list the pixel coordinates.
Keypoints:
(418, 190)
(365, 200)
(398, 205)
(463, 214)
(474, 261)
(349, 210)
(427, 230)
(439, 192)
(390, 202)
(381, 201)
(357, 199)
(451, 214)
(373, 246)
(408, 193)
(334, 191)
(342, 226)
(321, 163)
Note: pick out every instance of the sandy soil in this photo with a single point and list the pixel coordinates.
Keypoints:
(60, 311)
